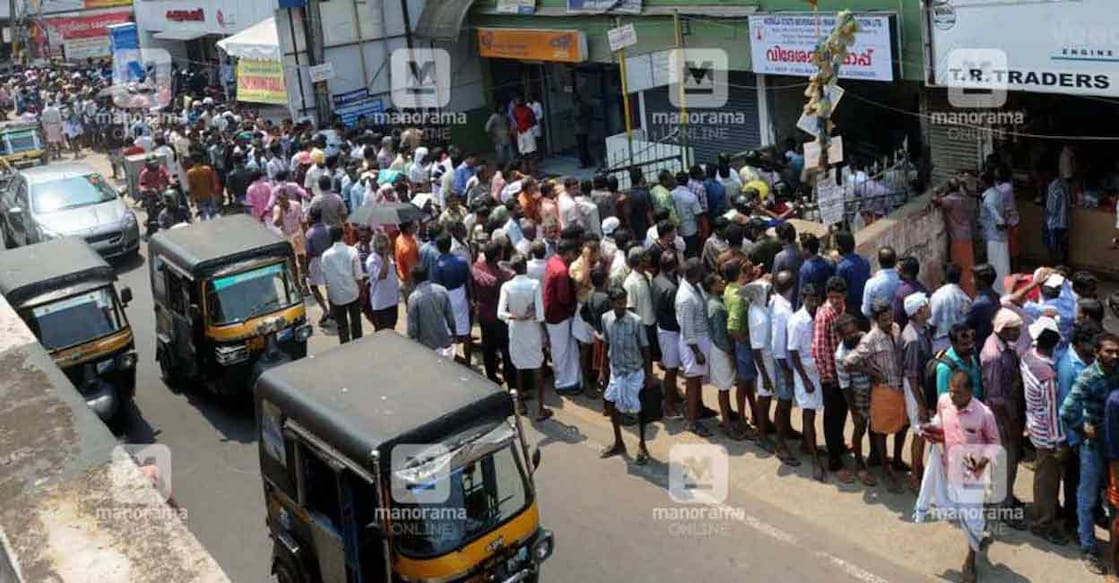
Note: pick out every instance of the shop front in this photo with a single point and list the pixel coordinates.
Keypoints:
(1052, 114)
(550, 66)
(190, 30)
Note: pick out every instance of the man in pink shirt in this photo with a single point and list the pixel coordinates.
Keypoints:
(258, 195)
(971, 443)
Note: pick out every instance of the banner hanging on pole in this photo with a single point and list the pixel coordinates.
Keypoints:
(261, 82)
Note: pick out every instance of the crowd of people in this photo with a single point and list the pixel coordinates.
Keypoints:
(638, 297)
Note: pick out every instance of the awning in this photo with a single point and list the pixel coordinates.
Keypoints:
(258, 42)
(180, 34)
(442, 19)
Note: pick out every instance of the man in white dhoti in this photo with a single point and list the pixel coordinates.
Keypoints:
(631, 370)
(992, 223)
(958, 475)
(453, 273)
(559, 316)
(520, 303)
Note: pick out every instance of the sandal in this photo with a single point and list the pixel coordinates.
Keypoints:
(642, 458)
(867, 478)
(699, 429)
(611, 451)
(845, 476)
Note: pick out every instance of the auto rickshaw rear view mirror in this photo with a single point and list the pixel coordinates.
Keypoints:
(125, 295)
(535, 458)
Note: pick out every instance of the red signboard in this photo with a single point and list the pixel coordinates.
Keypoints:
(72, 27)
(196, 15)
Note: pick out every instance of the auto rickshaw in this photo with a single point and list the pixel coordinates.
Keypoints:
(225, 295)
(383, 461)
(65, 292)
(21, 144)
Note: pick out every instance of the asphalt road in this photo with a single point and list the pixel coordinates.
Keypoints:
(603, 512)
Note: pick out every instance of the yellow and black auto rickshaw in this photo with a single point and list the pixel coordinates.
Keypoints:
(383, 461)
(21, 144)
(65, 292)
(227, 303)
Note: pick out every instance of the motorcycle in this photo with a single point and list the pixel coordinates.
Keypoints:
(152, 204)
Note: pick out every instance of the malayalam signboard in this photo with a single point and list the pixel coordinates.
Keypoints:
(563, 46)
(261, 82)
(1046, 47)
(79, 37)
(783, 45)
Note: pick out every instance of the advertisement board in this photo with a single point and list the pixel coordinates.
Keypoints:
(782, 44)
(353, 104)
(261, 82)
(565, 46)
(1046, 47)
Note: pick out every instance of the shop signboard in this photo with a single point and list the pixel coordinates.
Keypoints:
(516, 6)
(59, 6)
(622, 37)
(563, 46)
(353, 104)
(602, 6)
(261, 82)
(321, 72)
(782, 44)
(1045, 47)
(92, 26)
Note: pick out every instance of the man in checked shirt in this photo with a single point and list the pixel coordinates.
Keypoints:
(825, 340)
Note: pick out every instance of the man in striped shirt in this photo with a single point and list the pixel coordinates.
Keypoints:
(950, 306)
(1039, 377)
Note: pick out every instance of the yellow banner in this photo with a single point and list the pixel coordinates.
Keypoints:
(261, 82)
(565, 46)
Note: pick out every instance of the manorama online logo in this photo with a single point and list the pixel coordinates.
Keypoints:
(141, 79)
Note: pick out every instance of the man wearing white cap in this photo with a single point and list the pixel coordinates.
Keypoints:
(1055, 305)
(1039, 377)
(916, 350)
(1002, 383)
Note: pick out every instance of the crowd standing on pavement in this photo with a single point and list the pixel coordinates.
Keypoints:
(640, 296)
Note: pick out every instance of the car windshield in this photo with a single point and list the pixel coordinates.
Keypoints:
(77, 319)
(72, 192)
(481, 495)
(16, 141)
(238, 297)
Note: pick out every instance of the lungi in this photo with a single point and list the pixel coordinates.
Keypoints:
(962, 254)
(624, 391)
(460, 307)
(565, 356)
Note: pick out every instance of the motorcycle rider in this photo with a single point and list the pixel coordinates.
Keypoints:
(154, 178)
(174, 211)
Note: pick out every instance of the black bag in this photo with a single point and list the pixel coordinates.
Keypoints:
(929, 381)
(652, 402)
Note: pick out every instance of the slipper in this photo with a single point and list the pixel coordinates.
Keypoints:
(699, 430)
(790, 460)
(820, 475)
(867, 478)
(544, 415)
(642, 458)
(844, 476)
(733, 434)
(611, 451)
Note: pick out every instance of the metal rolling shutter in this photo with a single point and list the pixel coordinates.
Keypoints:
(952, 148)
(709, 140)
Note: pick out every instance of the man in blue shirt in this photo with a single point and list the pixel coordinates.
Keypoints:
(463, 173)
(855, 270)
(884, 284)
(1081, 355)
(962, 356)
(982, 314)
(453, 273)
(1052, 299)
(816, 269)
(908, 269)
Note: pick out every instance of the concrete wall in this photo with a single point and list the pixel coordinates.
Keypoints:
(71, 510)
(916, 229)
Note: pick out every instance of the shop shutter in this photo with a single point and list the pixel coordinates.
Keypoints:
(710, 139)
(952, 148)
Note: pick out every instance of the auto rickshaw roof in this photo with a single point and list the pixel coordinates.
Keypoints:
(28, 272)
(382, 390)
(207, 245)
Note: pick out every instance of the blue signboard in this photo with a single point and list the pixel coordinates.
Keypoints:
(124, 45)
(353, 104)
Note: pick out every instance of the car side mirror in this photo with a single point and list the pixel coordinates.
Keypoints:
(125, 295)
(535, 458)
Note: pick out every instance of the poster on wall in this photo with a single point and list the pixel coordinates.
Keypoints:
(604, 6)
(783, 45)
(1052, 47)
(261, 82)
(516, 6)
(353, 104)
(78, 37)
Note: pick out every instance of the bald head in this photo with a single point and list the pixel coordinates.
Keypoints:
(783, 281)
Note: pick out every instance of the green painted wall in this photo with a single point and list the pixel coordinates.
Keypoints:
(655, 33)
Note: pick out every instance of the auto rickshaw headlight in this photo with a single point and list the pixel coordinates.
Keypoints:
(126, 361)
(227, 355)
(303, 332)
(543, 547)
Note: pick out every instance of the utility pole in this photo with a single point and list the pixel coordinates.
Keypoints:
(683, 96)
(12, 34)
(625, 95)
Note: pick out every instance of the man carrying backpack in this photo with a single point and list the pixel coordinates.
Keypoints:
(960, 356)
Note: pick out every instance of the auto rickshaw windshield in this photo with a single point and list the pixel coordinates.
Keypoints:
(255, 292)
(456, 506)
(76, 319)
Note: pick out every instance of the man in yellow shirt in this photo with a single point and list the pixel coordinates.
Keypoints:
(204, 188)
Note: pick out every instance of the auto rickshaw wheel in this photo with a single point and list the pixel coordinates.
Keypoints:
(167, 370)
(286, 568)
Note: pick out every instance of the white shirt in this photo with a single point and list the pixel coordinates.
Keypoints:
(589, 211)
(639, 297)
(780, 310)
(341, 269)
(800, 340)
(523, 296)
(534, 268)
(383, 293)
(568, 211)
(758, 319)
(651, 237)
(538, 113)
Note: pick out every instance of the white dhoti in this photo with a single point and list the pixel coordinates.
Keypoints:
(565, 355)
(526, 344)
(624, 391)
(998, 256)
(460, 307)
(721, 369)
(958, 503)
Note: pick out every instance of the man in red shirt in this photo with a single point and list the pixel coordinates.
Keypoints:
(559, 312)
(825, 341)
(525, 120)
(154, 177)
